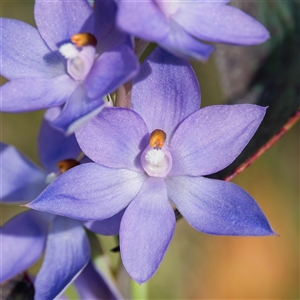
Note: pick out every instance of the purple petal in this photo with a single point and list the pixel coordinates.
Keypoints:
(55, 146)
(110, 70)
(115, 139)
(23, 241)
(220, 23)
(143, 19)
(92, 284)
(106, 32)
(212, 138)
(43, 93)
(21, 179)
(24, 53)
(58, 20)
(89, 192)
(217, 207)
(146, 230)
(78, 111)
(110, 226)
(182, 44)
(161, 89)
(67, 253)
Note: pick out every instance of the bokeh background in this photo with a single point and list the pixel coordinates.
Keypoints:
(199, 266)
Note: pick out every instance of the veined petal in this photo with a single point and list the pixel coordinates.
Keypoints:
(180, 43)
(93, 284)
(110, 226)
(106, 32)
(213, 137)
(111, 69)
(165, 91)
(89, 192)
(43, 93)
(78, 110)
(58, 20)
(146, 230)
(67, 253)
(55, 146)
(21, 179)
(22, 242)
(217, 207)
(25, 54)
(220, 23)
(115, 139)
(142, 18)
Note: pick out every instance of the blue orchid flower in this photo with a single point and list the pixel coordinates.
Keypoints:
(72, 61)
(177, 25)
(155, 154)
(28, 235)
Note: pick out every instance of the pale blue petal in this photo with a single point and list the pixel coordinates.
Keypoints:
(90, 192)
(106, 32)
(94, 284)
(58, 20)
(182, 44)
(78, 110)
(110, 226)
(142, 18)
(23, 241)
(21, 180)
(67, 253)
(220, 23)
(43, 93)
(25, 54)
(165, 92)
(115, 139)
(212, 138)
(217, 207)
(111, 69)
(146, 230)
(55, 146)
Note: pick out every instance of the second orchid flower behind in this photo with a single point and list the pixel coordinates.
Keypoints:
(71, 62)
(156, 153)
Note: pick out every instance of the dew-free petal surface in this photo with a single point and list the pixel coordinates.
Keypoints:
(146, 230)
(23, 241)
(58, 20)
(55, 146)
(67, 253)
(89, 192)
(114, 138)
(111, 69)
(21, 180)
(212, 138)
(182, 44)
(220, 23)
(110, 226)
(24, 53)
(43, 93)
(78, 110)
(106, 31)
(217, 207)
(142, 18)
(165, 91)
(93, 284)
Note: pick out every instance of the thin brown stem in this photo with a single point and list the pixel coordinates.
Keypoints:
(123, 95)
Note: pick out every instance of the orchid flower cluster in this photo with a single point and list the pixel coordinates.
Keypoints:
(119, 163)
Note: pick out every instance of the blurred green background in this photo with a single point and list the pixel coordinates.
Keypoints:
(199, 266)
